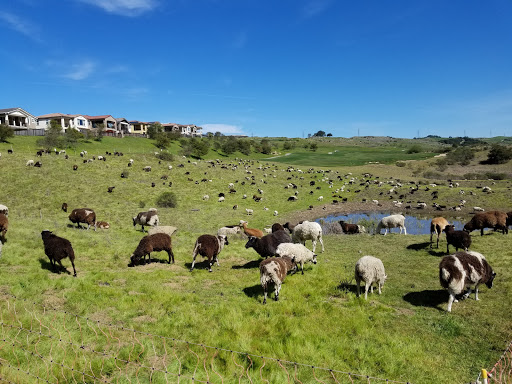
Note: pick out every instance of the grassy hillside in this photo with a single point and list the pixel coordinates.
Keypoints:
(404, 334)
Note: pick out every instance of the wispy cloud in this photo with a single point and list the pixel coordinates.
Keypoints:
(80, 71)
(20, 25)
(225, 129)
(313, 8)
(124, 7)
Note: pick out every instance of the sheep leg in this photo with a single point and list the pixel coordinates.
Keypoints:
(366, 286)
(476, 293)
(210, 263)
(451, 299)
(437, 241)
(302, 266)
(322, 243)
(314, 245)
(358, 282)
(171, 255)
(380, 288)
(466, 295)
(194, 254)
(278, 288)
(265, 294)
(481, 232)
(431, 233)
(405, 231)
(217, 261)
(74, 270)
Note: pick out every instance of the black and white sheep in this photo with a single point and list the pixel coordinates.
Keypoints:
(392, 221)
(83, 215)
(308, 230)
(463, 269)
(58, 248)
(298, 253)
(274, 271)
(370, 270)
(4, 210)
(267, 245)
(491, 219)
(149, 218)
(209, 246)
(152, 243)
(459, 239)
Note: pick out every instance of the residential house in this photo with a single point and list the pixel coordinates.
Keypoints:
(66, 121)
(139, 127)
(183, 129)
(108, 122)
(17, 118)
(122, 125)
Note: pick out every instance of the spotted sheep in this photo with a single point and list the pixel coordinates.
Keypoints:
(149, 218)
(83, 215)
(464, 269)
(274, 271)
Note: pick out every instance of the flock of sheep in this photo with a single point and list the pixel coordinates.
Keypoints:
(284, 247)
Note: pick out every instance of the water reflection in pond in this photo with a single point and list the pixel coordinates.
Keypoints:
(416, 225)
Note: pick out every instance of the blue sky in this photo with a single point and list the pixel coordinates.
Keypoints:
(266, 67)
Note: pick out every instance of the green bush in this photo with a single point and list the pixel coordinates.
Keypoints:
(166, 156)
(5, 132)
(415, 149)
(167, 200)
(400, 164)
(499, 154)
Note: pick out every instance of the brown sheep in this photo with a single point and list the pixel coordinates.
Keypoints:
(58, 248)
(277, 227)
(102, 225)
(251, 231)
(209, 246)
(4, 225)
(152, 243)
(437, 226)
(490, 219)
(64, 207)
(509, 219)
(349, 228)
(83, 215)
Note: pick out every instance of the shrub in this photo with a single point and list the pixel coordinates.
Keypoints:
(167, 200)
(415, 149)
(496, 176)
(166, 156)
(499, 154)
(400, 164)
(5, 132)
(461, 155)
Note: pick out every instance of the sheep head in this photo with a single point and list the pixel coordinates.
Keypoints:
(251, 242)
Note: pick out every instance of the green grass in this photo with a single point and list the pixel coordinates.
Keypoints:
(403, 335)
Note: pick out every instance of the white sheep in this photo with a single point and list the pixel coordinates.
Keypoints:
(206, 197)
(320, 198)
(478, 209)
(249, 211)
(276, 213)
(297, 252)
(308, 230)
(167, 229)
(392, 221)
(30, 163)
(228, 230)
(221, 199)
(169, 167)
(370, 270)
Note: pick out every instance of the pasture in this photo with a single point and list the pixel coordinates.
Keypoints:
(404, 334)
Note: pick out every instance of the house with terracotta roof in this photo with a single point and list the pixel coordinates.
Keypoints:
(109, 123)
(66, 121)
(17, 118)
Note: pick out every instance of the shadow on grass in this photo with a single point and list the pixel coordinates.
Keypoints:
(419, 246)
(249, 265)
(46, 264)
(348, 286)
(427, 298)
(255, 291)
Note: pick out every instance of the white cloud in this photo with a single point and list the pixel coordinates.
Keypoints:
(80, 71)
(18, 24)
(225, 129)
(124, 7)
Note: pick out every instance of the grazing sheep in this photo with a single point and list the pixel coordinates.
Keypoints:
(277, 227)
(102, 225)
(463, 269)
(38, 164)
(30, 163)
(249, 211)
(110, 189)
(168, 229)
(289, 226)
(4, 210)
(274, 271)
(75, 167)
(298, 253)
(64, 207)
(490, 219)
(206, 197)
(292, 198)
(147, 168)
(267, 245)
(351, 228)
(83, 215)
(58, 248)
(221, 199)
(370, 270)
(276, 213)
(250, 231)
(392, 221)
(228, 230)
(152, 243)
(209, 246)
(308, 230)
(4, 226)
(478, 209)
(437, 226)
(149, 218)
(459, 239)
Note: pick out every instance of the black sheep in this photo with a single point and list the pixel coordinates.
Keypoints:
(459, 239)
(267, 245)
(58, 248)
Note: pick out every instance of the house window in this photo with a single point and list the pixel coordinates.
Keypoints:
(81, 122)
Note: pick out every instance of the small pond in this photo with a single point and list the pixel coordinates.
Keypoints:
(415, 225)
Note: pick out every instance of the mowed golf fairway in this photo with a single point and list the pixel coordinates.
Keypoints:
(404, 335)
